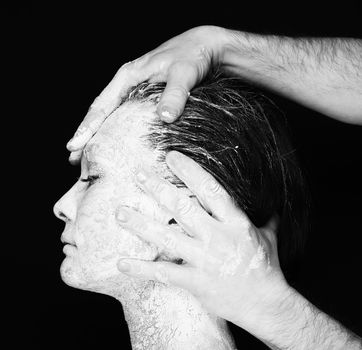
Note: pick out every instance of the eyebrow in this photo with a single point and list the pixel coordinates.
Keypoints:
(91, 149)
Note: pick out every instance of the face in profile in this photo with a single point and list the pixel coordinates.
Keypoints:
(94, 240)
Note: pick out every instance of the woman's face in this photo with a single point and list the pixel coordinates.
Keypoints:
(94, 240)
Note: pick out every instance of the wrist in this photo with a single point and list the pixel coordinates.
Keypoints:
(278, 317)
(285, 320)
(289, 321)
(270, 301)
(244, 54)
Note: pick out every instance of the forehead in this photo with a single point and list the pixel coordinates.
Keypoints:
(122, 139)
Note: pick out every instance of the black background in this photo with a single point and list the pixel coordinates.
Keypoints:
(57, 60)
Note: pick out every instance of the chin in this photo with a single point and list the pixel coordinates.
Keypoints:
(70, 274)
(101, 280)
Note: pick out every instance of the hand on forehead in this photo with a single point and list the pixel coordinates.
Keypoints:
(121, 134)
(125, 129)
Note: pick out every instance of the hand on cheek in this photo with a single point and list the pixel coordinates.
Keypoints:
(229, 264)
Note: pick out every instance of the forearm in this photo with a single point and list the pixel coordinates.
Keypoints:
(323, 74)
(294, 323)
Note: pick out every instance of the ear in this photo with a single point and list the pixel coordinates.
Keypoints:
(270, 230)
(272, 224)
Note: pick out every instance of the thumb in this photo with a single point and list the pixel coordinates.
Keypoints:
(161, 271)
(182, 77)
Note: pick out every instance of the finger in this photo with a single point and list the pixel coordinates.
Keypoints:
(165, 272)
(181, 78)
(74, 157)
(186, 211)
(209, 192)
(164, 236)
(128, 75)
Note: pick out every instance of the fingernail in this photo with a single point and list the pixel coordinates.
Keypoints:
(175, 156)
(124, 266)
(167, 115)
(121, 215)
(141, 176)
(69, 144)
(81, 136)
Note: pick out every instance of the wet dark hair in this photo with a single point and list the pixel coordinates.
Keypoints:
(239, 136)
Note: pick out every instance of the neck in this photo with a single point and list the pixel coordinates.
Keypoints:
(164, 317)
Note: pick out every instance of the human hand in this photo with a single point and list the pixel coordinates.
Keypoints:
(181, 62)
(230, 265)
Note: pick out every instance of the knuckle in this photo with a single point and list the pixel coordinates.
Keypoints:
(178, 91)
(162, 193)
(179, 66)
(203, 60)
(169, 243)
(135, 64)
(143, 60)
(96, 109)
(126, 66)
(203, 31)
(128, 69)
(161, 60)
(184, 206)
(212, 187)
(95, 124)
(95, 104)
(184, 66)
(155, 186)
(83, 128)
(203, 53)
(195, 67)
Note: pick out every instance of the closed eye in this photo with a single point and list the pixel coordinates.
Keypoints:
(91, 179)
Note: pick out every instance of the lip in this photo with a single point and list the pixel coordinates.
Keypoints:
(69, 249)
(67, 240)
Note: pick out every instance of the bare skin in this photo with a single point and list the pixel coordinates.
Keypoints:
(220, 247)
(230, 265)
(158, 316)
(323, 74)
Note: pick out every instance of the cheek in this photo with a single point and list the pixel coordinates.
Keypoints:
(95, 223)
(100, 240)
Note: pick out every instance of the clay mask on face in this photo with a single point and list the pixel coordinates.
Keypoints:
(108, 165)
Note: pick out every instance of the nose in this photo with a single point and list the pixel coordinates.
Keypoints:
(58, 213)
(65, 208)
